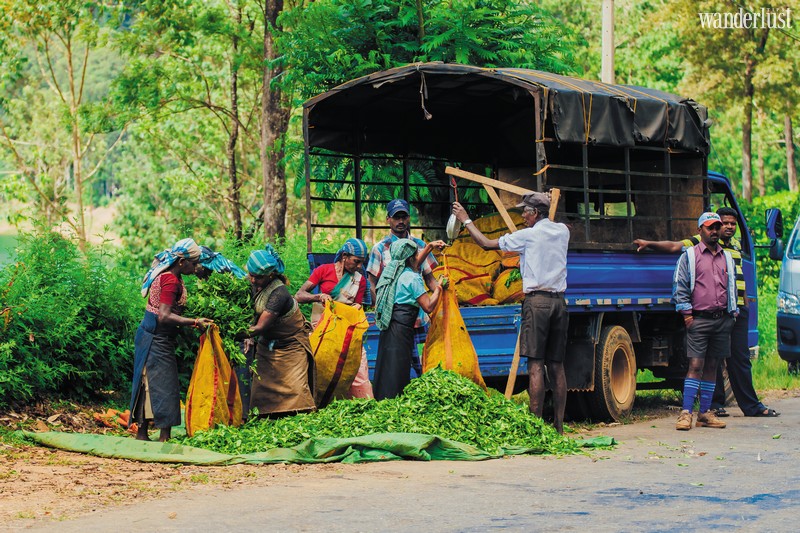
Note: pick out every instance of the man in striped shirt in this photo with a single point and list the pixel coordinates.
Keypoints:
(738, 364)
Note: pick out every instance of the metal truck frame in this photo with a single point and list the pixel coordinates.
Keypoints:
(630, 162)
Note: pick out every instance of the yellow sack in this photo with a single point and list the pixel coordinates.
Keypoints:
(471, 254)
(213, 397)
(469, 288)
(506, 291)
(493, 226)
(448, 343)
(336, 344)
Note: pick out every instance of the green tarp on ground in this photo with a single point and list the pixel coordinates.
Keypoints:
(369, 448)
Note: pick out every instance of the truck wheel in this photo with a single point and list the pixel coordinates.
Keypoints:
(730, 399)
(614, 375)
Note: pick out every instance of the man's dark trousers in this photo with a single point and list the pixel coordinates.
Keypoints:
(740, 370)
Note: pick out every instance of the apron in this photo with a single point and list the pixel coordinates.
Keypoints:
(393, 366)
(285, 374)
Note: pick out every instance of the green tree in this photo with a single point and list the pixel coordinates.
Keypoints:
(722, 64)
(51, 48)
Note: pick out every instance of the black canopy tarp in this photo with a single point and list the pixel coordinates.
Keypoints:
(474, 114)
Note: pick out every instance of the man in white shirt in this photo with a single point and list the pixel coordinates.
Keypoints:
(543, 265)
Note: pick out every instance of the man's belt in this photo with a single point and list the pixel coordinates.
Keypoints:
(549, 294)
(710, 314)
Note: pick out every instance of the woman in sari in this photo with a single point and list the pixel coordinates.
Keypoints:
(155, 393)
(342, 281)
(283, 381)
(401, 295)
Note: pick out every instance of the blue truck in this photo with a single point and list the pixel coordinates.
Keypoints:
(630, 162)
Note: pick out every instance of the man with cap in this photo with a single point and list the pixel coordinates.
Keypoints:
(704, 293)
(398, 218)
(739, 367)
(543, 265)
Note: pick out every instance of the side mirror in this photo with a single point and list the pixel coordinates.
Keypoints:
(774, 223)
(776, 250)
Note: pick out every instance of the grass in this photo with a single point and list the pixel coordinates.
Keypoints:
(769, 370)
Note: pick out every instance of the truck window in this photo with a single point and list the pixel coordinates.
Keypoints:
(793, 248)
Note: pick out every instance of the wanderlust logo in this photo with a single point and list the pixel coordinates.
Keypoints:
(766, 18)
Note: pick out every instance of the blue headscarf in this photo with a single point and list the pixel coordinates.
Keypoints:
(219, 263)
(183, 249)
(355, 247)
(264, 262)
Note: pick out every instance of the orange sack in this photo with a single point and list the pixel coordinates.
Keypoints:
(213, 396)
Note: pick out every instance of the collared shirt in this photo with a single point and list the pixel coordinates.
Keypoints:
(711, 279)
(409, 287)
(735, 248)
(542, 255)
(380, 256)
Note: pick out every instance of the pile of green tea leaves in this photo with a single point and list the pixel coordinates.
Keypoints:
(440, 403)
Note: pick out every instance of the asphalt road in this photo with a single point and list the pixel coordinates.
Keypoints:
(744, 477)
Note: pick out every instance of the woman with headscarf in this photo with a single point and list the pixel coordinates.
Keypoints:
(401, 295)
(342, 281)
(155, 395)
(283, 381)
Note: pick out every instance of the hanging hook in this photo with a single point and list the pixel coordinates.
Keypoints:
(423, 95)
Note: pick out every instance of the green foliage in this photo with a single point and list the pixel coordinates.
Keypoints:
(226, 300)
(70, 324)
(768, 271)
(439, 403)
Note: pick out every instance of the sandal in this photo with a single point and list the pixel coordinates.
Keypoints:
(720, 412)
(767, 412)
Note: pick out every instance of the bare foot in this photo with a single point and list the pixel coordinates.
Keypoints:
(166, 433)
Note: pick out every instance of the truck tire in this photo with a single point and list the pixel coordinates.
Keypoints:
(614, 375)
(730, 399)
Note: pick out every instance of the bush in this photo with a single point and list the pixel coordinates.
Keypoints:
(70, 319)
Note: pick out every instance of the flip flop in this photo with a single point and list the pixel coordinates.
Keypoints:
(767, 412)
(721, 412)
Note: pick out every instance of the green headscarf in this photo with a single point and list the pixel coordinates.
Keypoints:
(400, 250)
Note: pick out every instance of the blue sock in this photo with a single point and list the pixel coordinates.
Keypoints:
(690, 386)
(706, 394)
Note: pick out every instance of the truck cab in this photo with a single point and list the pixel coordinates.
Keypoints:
(789, 302)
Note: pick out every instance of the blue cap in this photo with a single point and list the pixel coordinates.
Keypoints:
(397, 205)
(706, 219)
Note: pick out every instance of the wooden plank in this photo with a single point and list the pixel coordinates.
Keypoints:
(555, 194)
(500, 208)
(512, 374)
(497, 184)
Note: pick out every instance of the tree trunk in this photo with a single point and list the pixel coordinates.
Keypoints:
(750, 62)
(77, 170)
(747, 132)
(788, 136)
(274, 123)
(233, 178)
(420, 22)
